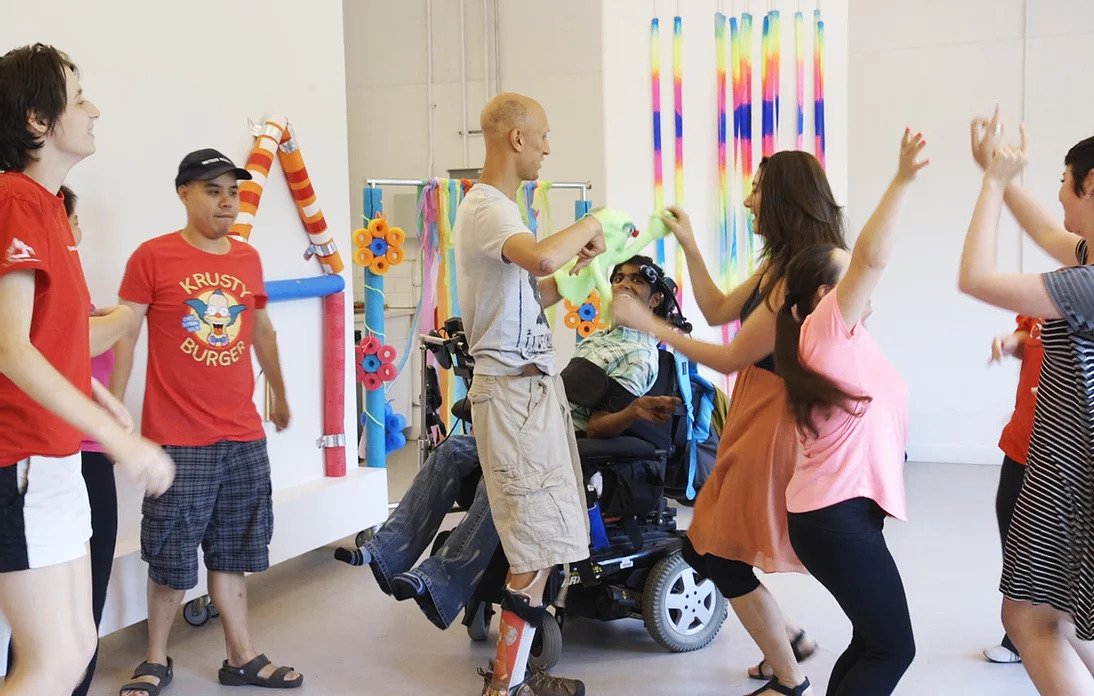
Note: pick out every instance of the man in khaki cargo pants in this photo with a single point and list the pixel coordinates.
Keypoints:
(518, 404)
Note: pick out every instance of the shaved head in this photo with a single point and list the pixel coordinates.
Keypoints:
(508, 111)
(515, 130)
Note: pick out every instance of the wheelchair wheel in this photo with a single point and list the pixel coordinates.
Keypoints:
(197, 612)
(547, 644)
(681, 611)
(479, 628)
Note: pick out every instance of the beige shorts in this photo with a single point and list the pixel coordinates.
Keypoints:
(532, 471)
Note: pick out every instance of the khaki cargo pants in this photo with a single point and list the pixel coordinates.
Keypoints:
(532, 470)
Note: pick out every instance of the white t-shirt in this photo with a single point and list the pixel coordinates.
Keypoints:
(502, 311)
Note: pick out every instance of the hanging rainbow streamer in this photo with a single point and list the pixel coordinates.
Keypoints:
(658, 173)
(723, 188)
(776, 66)
(818, 84)
(746, 134)
(799, 54)
(678, 103)
(767, 88)
(727, 246)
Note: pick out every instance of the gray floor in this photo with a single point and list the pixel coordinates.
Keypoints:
(331, 622)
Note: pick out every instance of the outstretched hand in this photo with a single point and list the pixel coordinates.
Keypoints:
(911, 146)
(679, 224)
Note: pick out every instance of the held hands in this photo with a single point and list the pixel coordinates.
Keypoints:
(655, 409)
(680, 225)
(910, 148)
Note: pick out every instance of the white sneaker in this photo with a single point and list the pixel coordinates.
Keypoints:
(1001, 655)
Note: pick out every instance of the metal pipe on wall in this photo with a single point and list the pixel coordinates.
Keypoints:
(583, 186)
(429, 79)
(463, 82)
(497, 47)
(486, 51)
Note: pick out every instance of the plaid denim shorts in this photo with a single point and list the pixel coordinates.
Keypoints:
(220, 500)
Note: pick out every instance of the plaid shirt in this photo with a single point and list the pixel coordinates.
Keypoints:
(628, 356)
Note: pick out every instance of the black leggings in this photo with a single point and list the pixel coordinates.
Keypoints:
(732, 578)
(843, 547)
(103, 495)
(1011, 475)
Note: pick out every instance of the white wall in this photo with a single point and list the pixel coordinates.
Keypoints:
(628, 139)
(933, 66)
(169, 81)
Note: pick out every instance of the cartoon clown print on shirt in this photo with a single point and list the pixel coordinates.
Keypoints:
(219, 313)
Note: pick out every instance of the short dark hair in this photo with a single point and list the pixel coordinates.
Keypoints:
(32, 82)
(1081, 160)
(69, 197)
(657, 286)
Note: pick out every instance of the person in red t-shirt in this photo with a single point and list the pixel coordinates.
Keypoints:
(48, 399)
(1024, 343)
(203, 294)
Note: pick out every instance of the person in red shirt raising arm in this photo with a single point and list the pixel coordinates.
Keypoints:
(205, 300)
(47, 397)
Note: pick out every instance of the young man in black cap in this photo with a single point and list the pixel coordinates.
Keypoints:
(204, 297)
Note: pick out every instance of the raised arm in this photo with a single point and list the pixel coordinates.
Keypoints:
(874, 246)
(754, 342)
(717, 307)
(1023, 293)
(583, 239)
(985, 136)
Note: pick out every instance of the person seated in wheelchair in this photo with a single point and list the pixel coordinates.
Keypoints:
(444, 582)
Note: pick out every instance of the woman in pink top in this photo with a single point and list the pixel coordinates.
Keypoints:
(107, 325)
(850, 407)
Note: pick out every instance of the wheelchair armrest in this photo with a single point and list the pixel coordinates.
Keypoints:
(603, 451)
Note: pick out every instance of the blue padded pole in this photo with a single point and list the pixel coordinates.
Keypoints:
(302, 288)
(375, 448)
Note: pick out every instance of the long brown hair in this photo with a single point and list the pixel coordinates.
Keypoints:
(797, 211)
(807, 390)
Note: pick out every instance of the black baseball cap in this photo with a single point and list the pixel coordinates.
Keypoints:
(203, 165)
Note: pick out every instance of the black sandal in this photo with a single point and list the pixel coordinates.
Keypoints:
(247, 675)
(780, 688)
(165, 673)
(799, 656)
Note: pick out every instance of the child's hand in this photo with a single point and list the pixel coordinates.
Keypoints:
(1005, 346)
